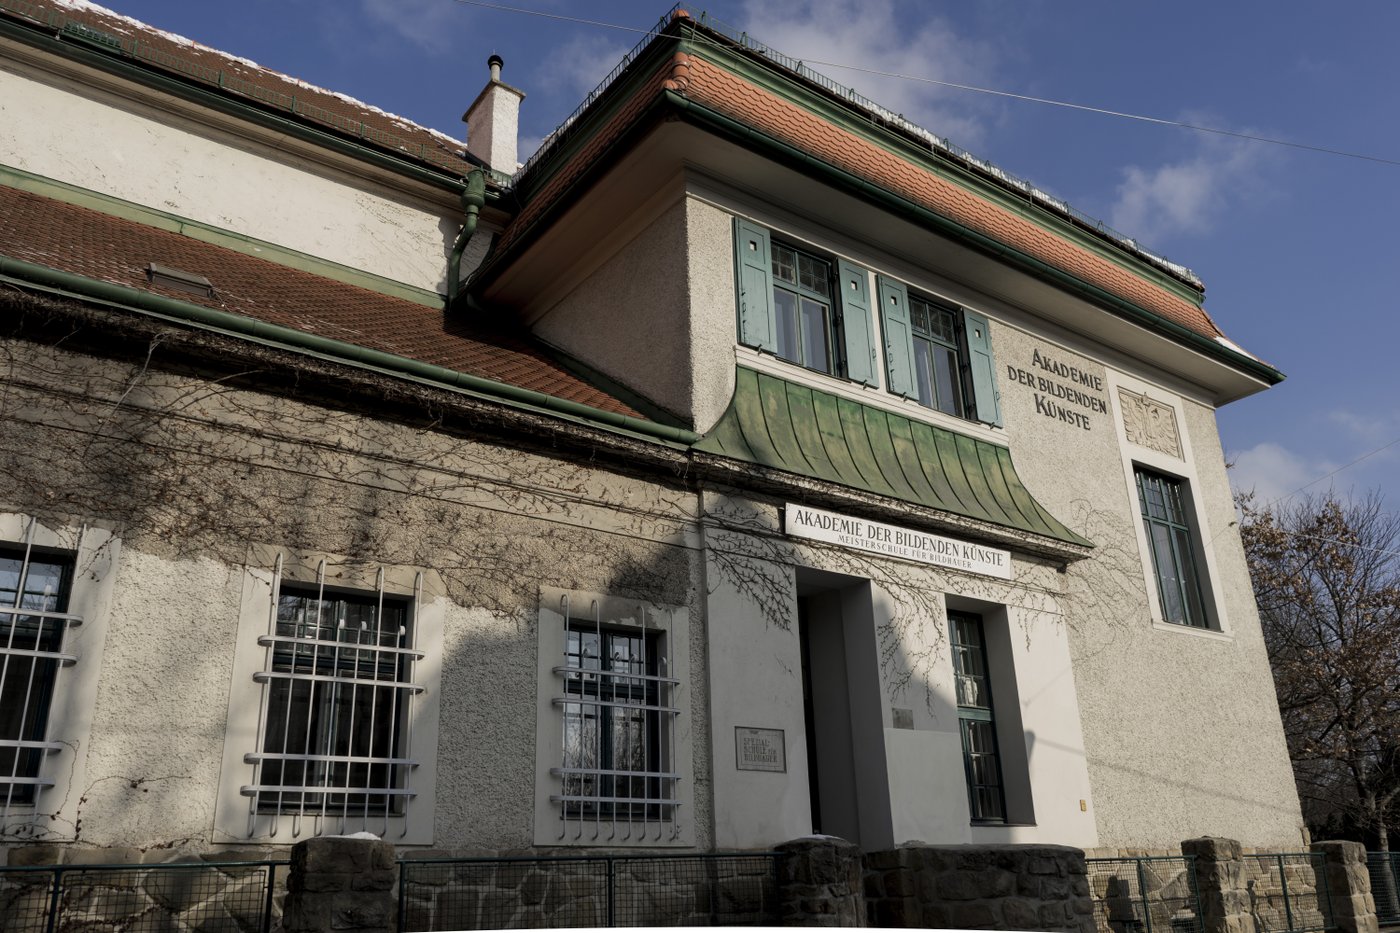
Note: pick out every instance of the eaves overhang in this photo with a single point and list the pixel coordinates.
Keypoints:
(658, 93)
(952, 480)
(359, 146)
(59, 283)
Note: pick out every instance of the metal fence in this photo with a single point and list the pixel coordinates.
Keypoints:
(239, 896)
(1384, 868)
(588, 891)
(1288, 892)
(1145, 895)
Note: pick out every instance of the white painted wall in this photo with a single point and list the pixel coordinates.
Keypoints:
(162, 155)
(658, 314)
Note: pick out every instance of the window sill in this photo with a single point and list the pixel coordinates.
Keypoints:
(1207, 633)
(874, 396)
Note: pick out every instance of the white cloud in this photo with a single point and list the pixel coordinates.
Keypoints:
(867, 34)
(1272, 471)
(431, 24)
(1190, 194)
(581, 64)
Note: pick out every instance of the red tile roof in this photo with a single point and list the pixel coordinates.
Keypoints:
(720, 90)
(98, 246)
(253, 83)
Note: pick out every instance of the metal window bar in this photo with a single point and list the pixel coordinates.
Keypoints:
(1145, 895)
(352, 765)
(1288, 892)
(142, 898)
(600, 785)
(35, 624)
(719, 889)
(1384, 869)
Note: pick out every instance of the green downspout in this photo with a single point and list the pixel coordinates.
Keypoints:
(473, 200)
(31, 274)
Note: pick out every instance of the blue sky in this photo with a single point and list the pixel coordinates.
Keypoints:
(1300, 265)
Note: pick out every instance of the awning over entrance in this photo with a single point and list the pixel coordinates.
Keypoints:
(802, 430)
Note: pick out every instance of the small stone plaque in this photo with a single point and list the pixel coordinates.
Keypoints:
(903, 718)
(759, 749)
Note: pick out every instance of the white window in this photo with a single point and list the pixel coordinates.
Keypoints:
(55, 584)
(339, 672)
(614, 759)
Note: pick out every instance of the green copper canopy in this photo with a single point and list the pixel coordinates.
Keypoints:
(813, 433)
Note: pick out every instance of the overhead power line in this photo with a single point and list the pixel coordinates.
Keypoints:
(1049, 101)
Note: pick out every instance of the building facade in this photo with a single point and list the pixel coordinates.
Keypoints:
(748, 464)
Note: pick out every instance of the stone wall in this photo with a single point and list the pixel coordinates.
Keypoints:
(979, 888)
(126, 887)
(573, 891)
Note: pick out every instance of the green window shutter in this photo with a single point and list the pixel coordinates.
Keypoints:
(983, 367)
(754, 265)
(855, 322)
(899, 337)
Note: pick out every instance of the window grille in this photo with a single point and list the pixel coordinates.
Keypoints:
(335, 722)
(618, 777)
(34, 619)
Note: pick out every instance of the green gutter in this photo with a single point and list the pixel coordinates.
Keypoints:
(782, 151)
(225, 104)
(285, 338)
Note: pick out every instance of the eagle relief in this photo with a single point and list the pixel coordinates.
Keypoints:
(1149, 423)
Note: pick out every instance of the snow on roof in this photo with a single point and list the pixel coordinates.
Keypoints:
(113, 18)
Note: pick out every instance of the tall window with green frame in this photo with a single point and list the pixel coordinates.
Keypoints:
(981, 762)
(802, 308)
(1164, 516)
(937, 365)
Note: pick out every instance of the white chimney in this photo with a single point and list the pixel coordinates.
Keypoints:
(493, 121)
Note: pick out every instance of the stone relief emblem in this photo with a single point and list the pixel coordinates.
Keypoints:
(1149, 423)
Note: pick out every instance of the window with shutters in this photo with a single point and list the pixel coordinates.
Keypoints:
(816, 311)
(937, 354)
(803, 307)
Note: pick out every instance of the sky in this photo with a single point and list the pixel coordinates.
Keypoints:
(1299, 264)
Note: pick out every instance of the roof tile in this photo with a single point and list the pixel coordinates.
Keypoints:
(98, 246)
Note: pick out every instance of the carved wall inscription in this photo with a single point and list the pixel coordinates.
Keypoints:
(1149, 423)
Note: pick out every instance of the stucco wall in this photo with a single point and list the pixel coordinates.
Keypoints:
(191, 473)
(657, 315)
(161, 159)
(1181, 727)
(754, 585)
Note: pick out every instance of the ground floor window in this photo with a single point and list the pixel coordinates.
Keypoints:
(34, 588)
(976, 718)
(617, 758)
(338, 689)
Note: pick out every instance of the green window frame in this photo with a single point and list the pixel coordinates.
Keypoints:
(938, 358)
(804, 308)
(986, 795)
(1171, 545)
(938, 355)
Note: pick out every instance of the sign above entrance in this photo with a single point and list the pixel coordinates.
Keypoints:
(879, 538)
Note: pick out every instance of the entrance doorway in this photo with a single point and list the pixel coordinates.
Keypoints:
(846, 770)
